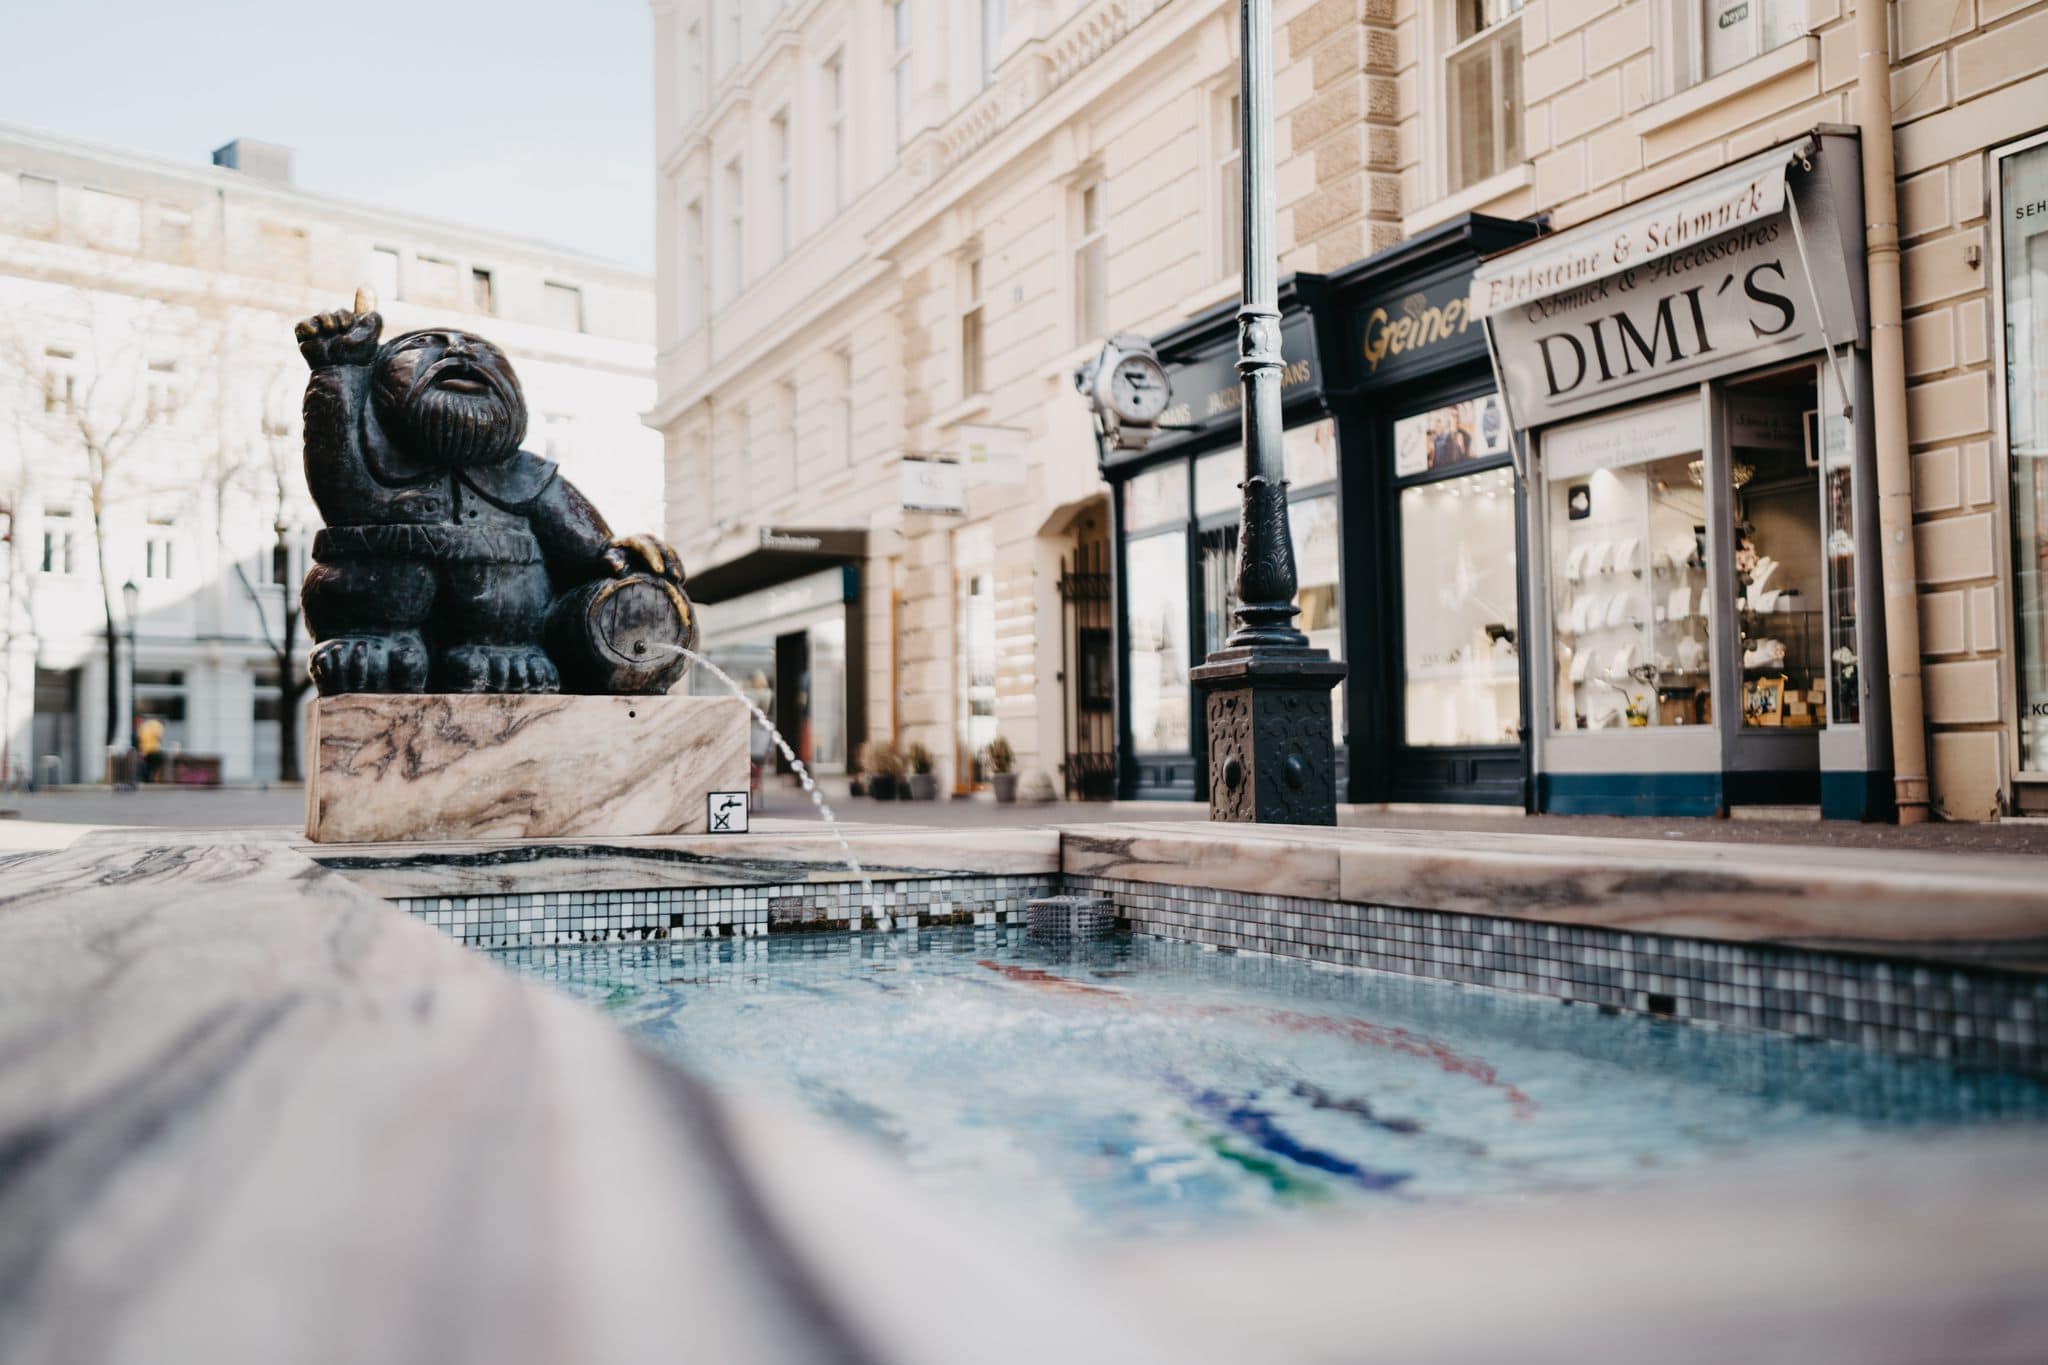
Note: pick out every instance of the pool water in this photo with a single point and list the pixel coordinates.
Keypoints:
(1143, 1086)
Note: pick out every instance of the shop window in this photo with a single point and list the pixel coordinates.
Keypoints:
(1483, 91)
(1631, 605)
(1156, 569)
(1461, 680)
(1157, 497)
(160, 693)
(2023, 256)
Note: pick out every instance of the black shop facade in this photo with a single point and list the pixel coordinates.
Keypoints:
(1405, 519)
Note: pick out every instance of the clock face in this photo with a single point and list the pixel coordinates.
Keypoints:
(1137, 389)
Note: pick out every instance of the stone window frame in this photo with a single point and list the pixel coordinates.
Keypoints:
(1223, 161)
(1449, 49)
(1680, 64)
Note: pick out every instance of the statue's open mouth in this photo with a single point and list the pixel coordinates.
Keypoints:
(456, 383)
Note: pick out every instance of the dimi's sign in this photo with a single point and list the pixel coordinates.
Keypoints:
(1702, 280)
(1724, 304)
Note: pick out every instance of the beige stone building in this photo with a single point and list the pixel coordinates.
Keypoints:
(889, 233)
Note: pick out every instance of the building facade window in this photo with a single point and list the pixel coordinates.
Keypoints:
(1091, 264)
(693, 265)
(159, 548)
(693, 70)
(109, 220)
(1483, 91)
(778, 134)
(1228, 140)
(973, 376)
(384, 272)
(481, 296)
(60, 541)
(729, 37)
(835, 128)
(732, 265)
(994, 18)
(842, 402)
(38, 203)
(1703, 38)
(60, 379)
(433, 280)
(786, 409)
(161, 393)
(562, 306)
(902, 67)
(2022, 202)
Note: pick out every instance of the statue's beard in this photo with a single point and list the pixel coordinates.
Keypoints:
(459, 430)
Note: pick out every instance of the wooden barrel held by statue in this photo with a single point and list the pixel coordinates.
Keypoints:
(616, 635)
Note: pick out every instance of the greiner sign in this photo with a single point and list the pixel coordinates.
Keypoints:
(1722, 304)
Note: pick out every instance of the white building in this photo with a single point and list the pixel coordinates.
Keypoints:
(147, 365)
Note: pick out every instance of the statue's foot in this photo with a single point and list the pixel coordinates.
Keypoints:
(496, 668)
(370, 663)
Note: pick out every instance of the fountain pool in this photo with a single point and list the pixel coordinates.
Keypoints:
(1143, 1086)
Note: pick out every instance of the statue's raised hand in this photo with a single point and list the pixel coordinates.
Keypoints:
(343, 337)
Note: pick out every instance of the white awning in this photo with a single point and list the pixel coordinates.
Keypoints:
(1712, 204)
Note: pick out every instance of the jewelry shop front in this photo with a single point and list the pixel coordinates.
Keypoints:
(1692, 376)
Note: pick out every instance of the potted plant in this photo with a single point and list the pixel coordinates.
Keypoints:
(1002, 770)
(924, 783)
(885, 777)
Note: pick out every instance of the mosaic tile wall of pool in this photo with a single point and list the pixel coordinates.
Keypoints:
(1144, 1086)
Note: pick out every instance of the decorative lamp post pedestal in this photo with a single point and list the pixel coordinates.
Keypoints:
(1272, 757)
(1266, 693)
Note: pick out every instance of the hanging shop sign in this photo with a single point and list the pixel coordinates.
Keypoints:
(932, 486)
(1732, 271)
(991, 454)
(1206, 389)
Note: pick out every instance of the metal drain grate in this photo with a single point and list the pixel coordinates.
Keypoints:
(1063, 919)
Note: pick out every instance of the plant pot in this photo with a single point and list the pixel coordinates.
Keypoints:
(1005, 785)
(924, 786)
(882, 786)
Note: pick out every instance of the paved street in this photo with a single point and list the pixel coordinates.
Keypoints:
(55, 818)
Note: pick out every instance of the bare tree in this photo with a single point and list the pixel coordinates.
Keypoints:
(98, 410)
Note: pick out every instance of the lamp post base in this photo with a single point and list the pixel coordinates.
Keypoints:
(1272, 755)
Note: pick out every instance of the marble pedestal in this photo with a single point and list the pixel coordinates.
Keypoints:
(453, 767)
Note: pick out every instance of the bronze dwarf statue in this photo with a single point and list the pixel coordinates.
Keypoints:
(452, 560)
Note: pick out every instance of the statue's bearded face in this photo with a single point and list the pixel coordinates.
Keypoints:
(450, 398)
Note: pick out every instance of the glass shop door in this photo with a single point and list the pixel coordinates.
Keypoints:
(1455, 655)
(1778, 581)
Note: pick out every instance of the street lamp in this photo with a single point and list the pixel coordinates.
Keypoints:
(131, 603)
(1266, 693)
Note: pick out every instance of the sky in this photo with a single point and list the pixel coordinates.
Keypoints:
(526, 116)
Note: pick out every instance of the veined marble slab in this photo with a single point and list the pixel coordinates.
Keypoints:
(393, 768)
(784, 854)
(1989, 911)
(251, 1114)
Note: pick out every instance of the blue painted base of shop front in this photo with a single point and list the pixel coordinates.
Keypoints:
(1629, 793)
(1840, 796)
(1857, 796)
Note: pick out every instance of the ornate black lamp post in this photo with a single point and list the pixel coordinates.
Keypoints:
(1266, 693)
